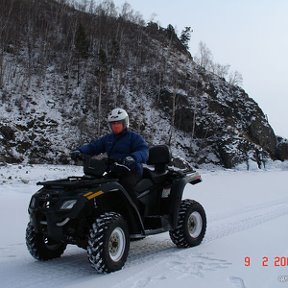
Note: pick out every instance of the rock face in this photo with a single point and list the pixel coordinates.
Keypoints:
(59, 98)
(227, 122)
(282, 149)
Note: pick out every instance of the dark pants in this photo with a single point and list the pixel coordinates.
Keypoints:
(129, 181)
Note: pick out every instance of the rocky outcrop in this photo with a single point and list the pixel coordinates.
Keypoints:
(227, 120)
(282, 149)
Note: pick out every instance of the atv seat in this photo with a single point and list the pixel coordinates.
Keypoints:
(159, 157)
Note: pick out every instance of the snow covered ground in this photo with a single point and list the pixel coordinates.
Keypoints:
(245, 245)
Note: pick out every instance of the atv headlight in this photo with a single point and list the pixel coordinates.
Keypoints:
(32, 202)
(69, 204)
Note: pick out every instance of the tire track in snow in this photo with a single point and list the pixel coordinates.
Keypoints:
(237, 282)
(156, 250)
(245, 219)
(218, 227)
(57, 272)
(250, 208)
(182, 263)
(177, 265)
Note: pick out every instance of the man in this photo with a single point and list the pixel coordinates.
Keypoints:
(123, 146)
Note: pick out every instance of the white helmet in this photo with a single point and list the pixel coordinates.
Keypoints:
(119, 114)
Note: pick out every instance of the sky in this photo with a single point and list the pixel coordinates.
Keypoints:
(248, 35)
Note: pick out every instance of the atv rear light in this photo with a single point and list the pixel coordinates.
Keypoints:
(69, 204)
(194, 178)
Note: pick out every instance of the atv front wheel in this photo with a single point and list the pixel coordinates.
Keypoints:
(108, 243)
(41, 247)
(191, 226)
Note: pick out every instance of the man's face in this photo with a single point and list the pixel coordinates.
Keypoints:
(117, 127)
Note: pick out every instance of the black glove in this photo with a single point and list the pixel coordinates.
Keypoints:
(76, 155)
(119, 169)
(130, 162)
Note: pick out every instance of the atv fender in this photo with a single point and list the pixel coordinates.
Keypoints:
(177, 189)
(119, 197)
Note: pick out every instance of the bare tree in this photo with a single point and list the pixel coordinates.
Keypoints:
(205, 59)
(102, 74)
(195, 92)
(235, 78)
(173, 115)
(205, 56)
(220, 70)
(127, 12)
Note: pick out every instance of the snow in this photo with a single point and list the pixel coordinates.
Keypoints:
(247, 213)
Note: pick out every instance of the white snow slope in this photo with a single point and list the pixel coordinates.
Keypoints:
(247, 217)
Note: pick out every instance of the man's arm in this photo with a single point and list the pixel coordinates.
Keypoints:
(94, 148)
(140, 151)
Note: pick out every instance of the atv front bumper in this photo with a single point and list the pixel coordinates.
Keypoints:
(51, 219)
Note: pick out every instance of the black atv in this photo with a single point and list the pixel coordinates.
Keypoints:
(96, 213)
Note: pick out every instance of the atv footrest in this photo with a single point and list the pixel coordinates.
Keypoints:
(155, 223)
(155, 231)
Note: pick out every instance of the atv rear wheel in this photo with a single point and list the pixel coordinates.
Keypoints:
(191, 226)
(108, 243)
(41, 247)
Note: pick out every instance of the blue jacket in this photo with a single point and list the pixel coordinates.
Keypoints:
(120, 146)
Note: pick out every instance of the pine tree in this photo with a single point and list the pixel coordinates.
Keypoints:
(171, 32)
(186, 36)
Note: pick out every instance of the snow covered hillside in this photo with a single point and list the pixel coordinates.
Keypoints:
(62, 70)
(245, 245)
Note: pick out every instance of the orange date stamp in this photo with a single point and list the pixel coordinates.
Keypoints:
(277, 261)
